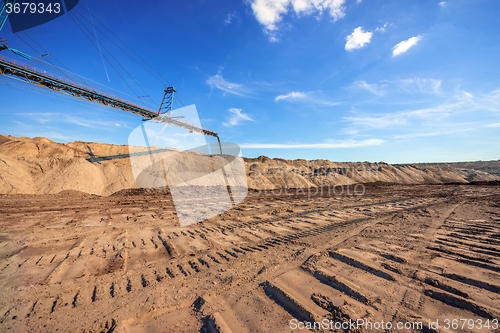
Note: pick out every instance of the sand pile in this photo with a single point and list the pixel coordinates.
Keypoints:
(42, 166)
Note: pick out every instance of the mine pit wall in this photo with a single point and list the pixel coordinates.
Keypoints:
(42, 166)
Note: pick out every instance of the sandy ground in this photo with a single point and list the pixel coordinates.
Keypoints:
(413, 254)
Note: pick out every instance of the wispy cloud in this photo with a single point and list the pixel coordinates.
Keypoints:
(229, 18)
(494, 125)
(402, 118)
(405, 45)
(382, 28)
(442, 4)
(489, 102)
(56, 136)
(430, 134)
(410, 85)
(329, 144)
(379, 89)
(46, 117)
(218, 82)
(41, 117)
(270, 12)
(358, 39)
(460, 103)
(236, 118)
(421, 85)
(292, 96)
(382, 121)
(312, 98)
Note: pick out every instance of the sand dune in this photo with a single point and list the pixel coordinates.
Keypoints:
(41, 166)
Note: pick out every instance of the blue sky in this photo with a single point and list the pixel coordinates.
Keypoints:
(345, 80)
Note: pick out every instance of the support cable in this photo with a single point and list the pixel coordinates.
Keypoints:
(92, 42)
(119, 64)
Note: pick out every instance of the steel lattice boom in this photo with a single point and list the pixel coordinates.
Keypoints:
(30, 75)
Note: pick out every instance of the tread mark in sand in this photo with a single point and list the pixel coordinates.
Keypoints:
(458, 303)
(203, 262)
(222, 256)
(144, 282)
(75, 299)
(194, 266)
(232, 254)
(169, 272)
(32, 309)
(154, 244)
(182, 270)
(360, 265)
(165, 245)
(454, 241)
(112, 290)
(453, 253)
(158, 277)
(472, 282)
(332, 282)
(213, 258)
(54, 305)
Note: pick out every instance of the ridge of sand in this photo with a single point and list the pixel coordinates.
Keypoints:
(42, 166)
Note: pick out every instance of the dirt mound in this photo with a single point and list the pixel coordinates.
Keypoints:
(42, 166)
(72, 194)
(4, 139)
(139, 191)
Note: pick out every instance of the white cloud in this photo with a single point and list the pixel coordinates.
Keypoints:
(377, 121)
(467, 95)
(236, 118)
(382, 28)
(229, 18)
(442, 4)
(457, 104)
(48, 117)
(270, 12)
(329, 144)
(273, 39)
(293, 96)
(405, 45)
(489, 102)
(218, 81)
(494, 125)
(374, 88)
(421, 85)
(312, 98)
(358, 39)
(429, 134)
(411, 85)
